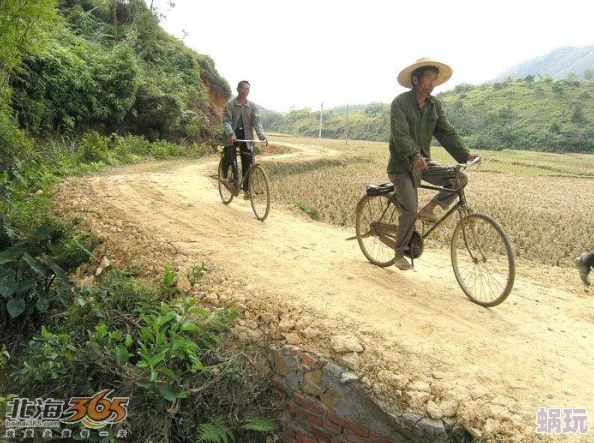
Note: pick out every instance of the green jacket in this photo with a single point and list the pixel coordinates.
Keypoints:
(411, 132)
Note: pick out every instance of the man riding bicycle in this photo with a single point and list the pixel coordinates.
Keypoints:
(240, 118)
(415, 118)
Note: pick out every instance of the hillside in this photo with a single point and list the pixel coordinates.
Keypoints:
(110, 67)
(558, 64)
(528, 114)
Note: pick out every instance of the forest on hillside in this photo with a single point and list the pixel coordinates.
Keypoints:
(68, 67)
(534, 113)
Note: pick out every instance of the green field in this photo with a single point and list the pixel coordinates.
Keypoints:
(544, 201)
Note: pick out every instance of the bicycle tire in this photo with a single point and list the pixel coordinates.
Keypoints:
(369, 211)
(259, 192)
(225, 190)
(483, 260)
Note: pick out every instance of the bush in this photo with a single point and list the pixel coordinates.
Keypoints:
(93, 147)
(166, 354)
(14, 144)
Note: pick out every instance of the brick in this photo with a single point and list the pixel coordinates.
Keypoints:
(312, 362)
(304, 425)
(278, 383)
(335, 429)
(288, 435)
(378, 438)
(336, 440)
(354, 427)
(352, 437)
(304, 413)
(321, 435)
(310, 404)
(295, 351)
(302, 438)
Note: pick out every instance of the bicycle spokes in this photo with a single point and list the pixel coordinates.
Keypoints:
(482, 259)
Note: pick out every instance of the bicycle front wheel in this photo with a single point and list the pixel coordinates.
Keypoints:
(226, 184)
(376, 225)
(482, 259)
(259, 192)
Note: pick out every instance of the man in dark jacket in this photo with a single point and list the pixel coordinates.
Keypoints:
(240, 118)
(415, 118)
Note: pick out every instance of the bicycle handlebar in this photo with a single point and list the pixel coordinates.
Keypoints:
(475, 162)
(253, 141)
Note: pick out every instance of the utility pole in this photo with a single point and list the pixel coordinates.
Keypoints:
(346, 141)
(320, 131)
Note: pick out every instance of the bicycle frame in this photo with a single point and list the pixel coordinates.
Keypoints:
(238, 185)
(461, 205)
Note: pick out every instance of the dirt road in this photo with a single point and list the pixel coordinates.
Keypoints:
(299, 281)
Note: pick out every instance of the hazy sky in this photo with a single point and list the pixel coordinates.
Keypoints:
(302, 53)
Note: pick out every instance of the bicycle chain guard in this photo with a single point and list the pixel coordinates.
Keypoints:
(415, 246)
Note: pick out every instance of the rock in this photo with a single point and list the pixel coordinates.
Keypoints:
(105, 263)
(433, 410)
(398, 381)
(343, 343)
(449, 408)
(292, 338)
(183, 283)
(286, 325)
(420, 386)
(310, 332)
(351, 361)
(267, 317)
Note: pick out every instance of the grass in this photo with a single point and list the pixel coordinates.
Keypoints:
(543, 201)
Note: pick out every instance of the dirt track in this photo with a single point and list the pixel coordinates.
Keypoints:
(493, 367)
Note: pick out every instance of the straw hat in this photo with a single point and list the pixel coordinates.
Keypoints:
(445, 72)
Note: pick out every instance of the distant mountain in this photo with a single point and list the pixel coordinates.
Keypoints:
(558, 64)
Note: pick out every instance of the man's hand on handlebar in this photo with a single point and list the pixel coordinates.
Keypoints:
(474, 159)
(420, 162)
(263, 139)
(231, 139)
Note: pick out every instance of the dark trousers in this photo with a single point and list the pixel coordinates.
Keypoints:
(408, 202)
(230, 160)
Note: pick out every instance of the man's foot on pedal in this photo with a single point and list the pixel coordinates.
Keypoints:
(246, 196)
(427, 217)
(402, 263)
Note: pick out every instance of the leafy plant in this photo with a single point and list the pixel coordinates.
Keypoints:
(166, 349)
(197, 272)
(215, 431)
(25, 280)
(169, 280)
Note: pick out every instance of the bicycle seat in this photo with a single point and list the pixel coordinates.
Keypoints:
(375, 190)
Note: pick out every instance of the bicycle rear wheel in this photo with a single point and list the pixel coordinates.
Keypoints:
(482, 259)
(259, 192)
(226, 184)
(376, 234)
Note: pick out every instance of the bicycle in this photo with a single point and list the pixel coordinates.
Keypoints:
(258, 187)
(481, 253)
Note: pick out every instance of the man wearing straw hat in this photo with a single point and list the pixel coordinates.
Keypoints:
(415, 118)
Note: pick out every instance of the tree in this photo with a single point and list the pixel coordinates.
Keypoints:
(21, 33)
(589, 75)
(22, 25)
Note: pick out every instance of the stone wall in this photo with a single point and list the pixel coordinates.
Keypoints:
(327, 403)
